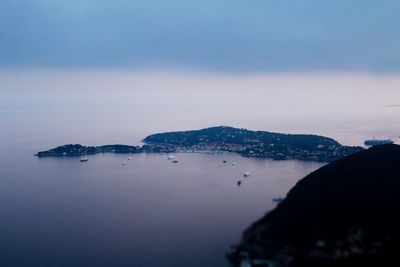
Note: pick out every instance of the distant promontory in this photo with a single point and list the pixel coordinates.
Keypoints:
(247, 143)
(261, 144)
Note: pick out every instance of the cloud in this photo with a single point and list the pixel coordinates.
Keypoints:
(212, 35)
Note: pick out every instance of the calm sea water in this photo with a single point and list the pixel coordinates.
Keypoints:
(151, 212)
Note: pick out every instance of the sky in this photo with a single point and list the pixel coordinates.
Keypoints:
(103, 106)
(209, 35)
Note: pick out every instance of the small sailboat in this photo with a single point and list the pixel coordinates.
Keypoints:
(246, 174)
(171, 156)
(84, 158)
(123, 163)
(130, 158)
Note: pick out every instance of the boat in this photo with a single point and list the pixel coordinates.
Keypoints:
(175, 161)
(278, 199)
(246, 174)
(123, 163)
(130, 158)
(376, 142)
(84, 158)
(239, 182)
(224, 161)
(171, 157)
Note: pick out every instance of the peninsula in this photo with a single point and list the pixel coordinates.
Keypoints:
(247, 143)
(260, 144)
(74, 150)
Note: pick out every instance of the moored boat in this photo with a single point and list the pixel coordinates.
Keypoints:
(376, 142)
(84, 158)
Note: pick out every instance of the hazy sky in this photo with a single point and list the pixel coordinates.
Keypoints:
(207, 35)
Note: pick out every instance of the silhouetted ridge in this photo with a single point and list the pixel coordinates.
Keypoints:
(345, 213)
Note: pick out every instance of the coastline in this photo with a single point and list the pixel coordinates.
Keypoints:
(223, 139)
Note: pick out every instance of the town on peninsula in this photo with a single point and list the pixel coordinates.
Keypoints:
(224, 139)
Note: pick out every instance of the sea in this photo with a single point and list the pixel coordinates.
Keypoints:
(147, 211)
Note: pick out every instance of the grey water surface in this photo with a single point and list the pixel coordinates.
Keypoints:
(152, 212)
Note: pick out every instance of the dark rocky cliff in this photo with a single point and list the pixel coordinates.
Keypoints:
(346, 213)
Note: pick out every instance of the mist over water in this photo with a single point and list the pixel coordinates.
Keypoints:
(95, 107)
(152, 212)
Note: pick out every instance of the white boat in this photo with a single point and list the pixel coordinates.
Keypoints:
(277, 199)
(129, 158)
(84, 158)
(246, 174)
(171, 157)
(376, 142)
